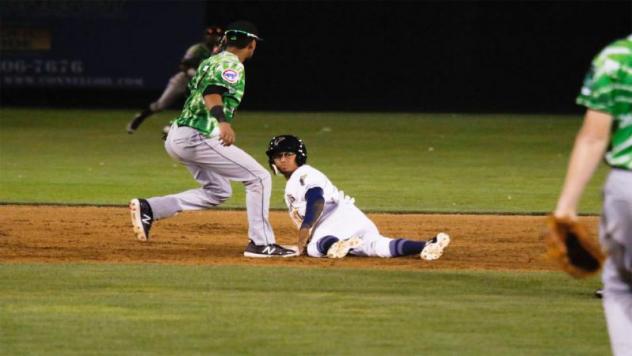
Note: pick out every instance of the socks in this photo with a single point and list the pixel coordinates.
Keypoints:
(325, 243)
(403, 247)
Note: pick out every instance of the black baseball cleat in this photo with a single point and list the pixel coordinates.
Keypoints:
(142, 218)
(165, 132)
(265, 251)
(599, 293)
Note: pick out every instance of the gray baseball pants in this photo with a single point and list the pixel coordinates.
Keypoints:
(214, 166)
(616, 237)
(176, 88)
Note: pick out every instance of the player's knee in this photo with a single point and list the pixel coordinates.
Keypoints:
(218, 195)
(222, 197)
(262, 179)
(265, 177)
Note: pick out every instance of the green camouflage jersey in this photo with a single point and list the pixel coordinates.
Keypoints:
(608, 88)
(223, 69)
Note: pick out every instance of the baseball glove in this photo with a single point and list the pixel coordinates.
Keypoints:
(568, 243)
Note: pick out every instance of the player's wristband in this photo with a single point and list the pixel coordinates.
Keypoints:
(218, 112)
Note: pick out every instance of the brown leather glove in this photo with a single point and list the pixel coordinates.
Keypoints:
(568, 243)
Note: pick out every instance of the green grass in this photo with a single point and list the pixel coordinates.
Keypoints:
(153, 309)
(388, 162)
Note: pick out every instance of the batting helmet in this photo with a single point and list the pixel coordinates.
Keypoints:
(287, 143)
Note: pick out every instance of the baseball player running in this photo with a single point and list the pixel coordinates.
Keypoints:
(329, 223)
(607, 129)
(177, 85)
(202, 138)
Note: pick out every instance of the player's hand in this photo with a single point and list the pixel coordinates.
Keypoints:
(226, 134)
(303, 239)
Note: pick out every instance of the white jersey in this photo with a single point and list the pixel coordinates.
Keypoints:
(303, 179)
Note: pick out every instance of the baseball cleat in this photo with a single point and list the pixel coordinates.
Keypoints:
(165, 132)
(599, 293)
(130, 129)
(342, 247)
(434, 247)
(267, 251)
(142, 218)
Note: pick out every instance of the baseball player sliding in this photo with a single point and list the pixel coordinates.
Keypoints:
(176, 88)
(607, 133)
(202, 138)
(328, 221)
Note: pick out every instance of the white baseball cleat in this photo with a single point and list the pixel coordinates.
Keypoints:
(142, 218)
(342, 247)
(434, 247)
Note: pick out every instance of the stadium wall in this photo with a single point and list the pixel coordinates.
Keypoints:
(466, 56)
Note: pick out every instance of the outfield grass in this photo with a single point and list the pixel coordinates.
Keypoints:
(388, 162)
(153, 309)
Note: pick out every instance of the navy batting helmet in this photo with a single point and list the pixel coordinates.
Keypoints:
(287, 143)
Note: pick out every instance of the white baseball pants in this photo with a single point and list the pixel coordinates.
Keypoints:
(346, 221)
(616, 237)
(214, 166)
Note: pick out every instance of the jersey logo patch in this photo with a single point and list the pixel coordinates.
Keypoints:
(230, 76)
(302, 179)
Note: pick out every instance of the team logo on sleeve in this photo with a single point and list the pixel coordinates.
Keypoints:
(230, 76)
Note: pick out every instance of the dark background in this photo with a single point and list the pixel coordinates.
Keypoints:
(466, 56)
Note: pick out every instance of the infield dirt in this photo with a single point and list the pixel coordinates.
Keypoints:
(60, 234)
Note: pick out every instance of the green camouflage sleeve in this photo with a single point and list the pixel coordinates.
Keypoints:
(599, 89)
(229, 75)
(608, 88)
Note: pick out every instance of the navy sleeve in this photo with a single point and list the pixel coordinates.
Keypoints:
(314, 207)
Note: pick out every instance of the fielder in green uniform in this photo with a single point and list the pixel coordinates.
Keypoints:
(607, 133)
(225, 71)
(202, 138)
